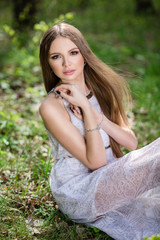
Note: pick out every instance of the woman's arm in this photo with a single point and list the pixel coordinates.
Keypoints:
(91, 151)
(121, 134)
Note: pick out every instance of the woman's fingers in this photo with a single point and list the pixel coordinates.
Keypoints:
(73, 95)
(76, 111)
(78, 115)
(68, 97)
(66, 88)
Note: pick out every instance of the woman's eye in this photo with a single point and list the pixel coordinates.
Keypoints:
(74, 52)
(55, 56)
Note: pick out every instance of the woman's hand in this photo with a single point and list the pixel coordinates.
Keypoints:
(76, 111)
(73, 95)
(76, 98)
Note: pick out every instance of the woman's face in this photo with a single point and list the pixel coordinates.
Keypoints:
(66, 60)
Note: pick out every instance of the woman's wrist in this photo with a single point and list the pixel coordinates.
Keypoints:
(97, 127)
(99, 122)
(85, 107)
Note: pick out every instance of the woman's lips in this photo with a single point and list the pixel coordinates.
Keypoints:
(69, 72)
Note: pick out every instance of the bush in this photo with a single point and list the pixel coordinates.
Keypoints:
(22, 68)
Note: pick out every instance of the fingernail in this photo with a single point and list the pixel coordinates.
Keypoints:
(71, 110)
(58, 92)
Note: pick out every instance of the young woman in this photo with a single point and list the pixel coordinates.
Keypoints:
(91, 180)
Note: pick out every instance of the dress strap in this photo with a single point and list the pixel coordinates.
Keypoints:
(52, 90)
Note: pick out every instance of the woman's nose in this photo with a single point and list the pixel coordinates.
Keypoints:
(66, 61)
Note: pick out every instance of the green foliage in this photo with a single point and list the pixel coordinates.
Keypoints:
(22, 67)
(157, 237)
(156, 4)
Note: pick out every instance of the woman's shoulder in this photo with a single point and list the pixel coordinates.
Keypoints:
(48, 102)
(51, 106)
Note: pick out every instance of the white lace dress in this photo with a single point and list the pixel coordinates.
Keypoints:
(121, 198)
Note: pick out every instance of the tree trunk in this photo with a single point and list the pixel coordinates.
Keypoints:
(84, 4)
(143, 6)
(23, 14)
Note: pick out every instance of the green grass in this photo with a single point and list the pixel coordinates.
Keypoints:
(27, 208)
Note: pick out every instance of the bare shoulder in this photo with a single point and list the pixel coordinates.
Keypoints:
(48, 102)
(52, 106)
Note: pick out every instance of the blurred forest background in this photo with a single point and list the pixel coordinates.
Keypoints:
(124, 34)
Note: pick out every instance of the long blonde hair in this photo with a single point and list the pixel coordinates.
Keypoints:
(109, 87)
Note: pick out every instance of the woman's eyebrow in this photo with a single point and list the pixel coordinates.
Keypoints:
(53, 53)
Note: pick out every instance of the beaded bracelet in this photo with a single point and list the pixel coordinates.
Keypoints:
(97, 128)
